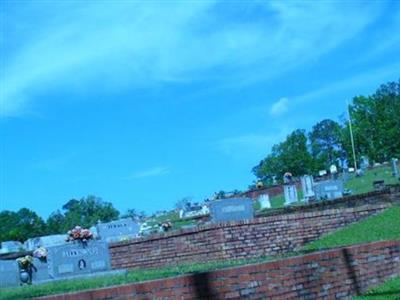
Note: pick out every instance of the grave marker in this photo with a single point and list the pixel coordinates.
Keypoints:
(290, 192)
(9, 273)
(76, 259)
(117, 231)
(264, 201)
(329, 189)
(307, 185)
(232, 209)
(395, 169)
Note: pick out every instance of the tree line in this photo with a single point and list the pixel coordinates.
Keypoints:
(376, 130)
(86, 212)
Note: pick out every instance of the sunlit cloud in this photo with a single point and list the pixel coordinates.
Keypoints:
(82, 46)
(152, 172)
(279, 107)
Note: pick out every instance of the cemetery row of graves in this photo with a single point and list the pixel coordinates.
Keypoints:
(83, 253)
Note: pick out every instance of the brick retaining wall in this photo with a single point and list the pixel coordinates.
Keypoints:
(262, 236)
(334, 274)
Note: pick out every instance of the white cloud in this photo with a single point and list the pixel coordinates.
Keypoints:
(152, 172)
(279, 107)
(119, 45)
(252, 144)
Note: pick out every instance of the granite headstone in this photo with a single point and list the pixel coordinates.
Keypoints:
(76, 259)
(231, 209)
(329, 189)
(117, 231)
(9, 273)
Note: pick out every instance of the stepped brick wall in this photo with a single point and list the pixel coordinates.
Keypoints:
(269, 235)
(334, 274)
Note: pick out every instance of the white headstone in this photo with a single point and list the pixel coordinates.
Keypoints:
(333, 169)
(395, 169)
(264, 201)
(307, 183)
(290, 193)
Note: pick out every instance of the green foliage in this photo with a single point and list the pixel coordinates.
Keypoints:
(384, 226)
(376, 131)
(325, 141)
(291, 155)
(20, 225)
(84, 212)
(376, 123)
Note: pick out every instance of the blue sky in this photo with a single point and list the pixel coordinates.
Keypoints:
(145, 102)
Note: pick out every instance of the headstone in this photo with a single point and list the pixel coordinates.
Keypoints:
(76, 259)
(395, 169)
(290, 192)
(9, 273)
(42, 273)
(351, 170)
(116, 231)
(11, 246)
(192, 211)
(364, 162)
(45, 241)
(232, 209)
(322, 172)
(264, 201)
(329, 189)
(307, 183)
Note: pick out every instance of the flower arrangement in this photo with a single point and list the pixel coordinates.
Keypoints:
(40, 253)
(79, 234)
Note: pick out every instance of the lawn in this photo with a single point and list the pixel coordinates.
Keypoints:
(384, 226)
(363, 184)
(390, 290)
(66, 286)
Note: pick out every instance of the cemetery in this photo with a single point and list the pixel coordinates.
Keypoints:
(230, 232)
(235, 233)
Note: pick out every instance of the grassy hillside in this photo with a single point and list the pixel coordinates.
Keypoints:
(363, 184)
(390, 290)
(385, 226)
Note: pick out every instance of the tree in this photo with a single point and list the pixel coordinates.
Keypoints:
(85, 212)
(182, 203)
(376, 123)
(326, 143)
(21, 225)
(291, 155)
(55, 223)
(135, 215)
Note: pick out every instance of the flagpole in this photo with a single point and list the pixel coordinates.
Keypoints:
(351, 138)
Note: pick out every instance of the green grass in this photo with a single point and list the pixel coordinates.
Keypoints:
(390, 290)
(66, 286)
(384, 226)
(363, 184)
(358, 185)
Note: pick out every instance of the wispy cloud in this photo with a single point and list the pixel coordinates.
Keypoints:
(251, 145)
(279, 107)
(353, 84)
(119, 45)
(152, 172)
